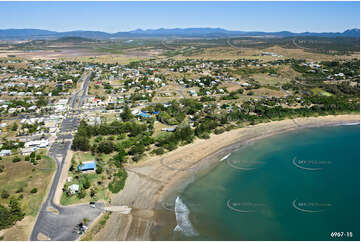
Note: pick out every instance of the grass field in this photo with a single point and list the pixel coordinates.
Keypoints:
(19, 179)
(83, 156)
(319, 91)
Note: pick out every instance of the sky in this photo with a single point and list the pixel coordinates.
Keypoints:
(124, 16)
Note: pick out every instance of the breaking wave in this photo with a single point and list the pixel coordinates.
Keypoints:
(184, 225)
(225, 157)
(348, 124)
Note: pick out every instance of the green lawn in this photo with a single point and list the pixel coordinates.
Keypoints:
(319, 91)
(83, 156)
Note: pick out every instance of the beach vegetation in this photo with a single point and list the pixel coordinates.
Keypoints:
(118, 181)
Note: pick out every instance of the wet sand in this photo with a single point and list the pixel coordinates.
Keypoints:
(152, 180)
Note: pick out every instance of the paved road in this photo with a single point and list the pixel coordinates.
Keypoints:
(69, 124)
(84, 90)
(60, 226)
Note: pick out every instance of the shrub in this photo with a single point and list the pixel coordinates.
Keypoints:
(219, 131)
(159, 151)
(16, 159)
(34, 190)
(204, 136)
(99, 169)
(86, 182)
(38, 157)
(4, 194)
(19, 190)
(251, 93)
(137, 157)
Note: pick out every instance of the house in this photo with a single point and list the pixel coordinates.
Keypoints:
(5, 152)
(87, 166)
(245, 84)
(43, 144)
(168, 129)
(27, 151)
(69, 82)
(74, 188)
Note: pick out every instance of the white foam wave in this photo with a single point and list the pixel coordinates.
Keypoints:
(184, 225)
(225, 157)
(347, 124)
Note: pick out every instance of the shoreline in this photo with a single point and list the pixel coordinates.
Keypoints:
(153, 180)
(206, 164)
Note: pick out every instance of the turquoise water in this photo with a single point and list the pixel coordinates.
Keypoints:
(302, 185)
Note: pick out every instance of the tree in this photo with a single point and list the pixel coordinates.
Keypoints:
(86, 182)
(34, 190)
(137, 149)
(81, 193)
(15, 210)
(80, 143)
(5, 217)
(106, 147)
(118, 181)
(119, 158)
(9, 216)
(127, 114)
(92, 192)
(99, 169)
(32, 154)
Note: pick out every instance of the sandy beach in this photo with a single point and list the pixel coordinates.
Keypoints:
(155, 178)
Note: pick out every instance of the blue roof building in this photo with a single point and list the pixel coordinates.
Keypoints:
(144, 115)
(87, 166)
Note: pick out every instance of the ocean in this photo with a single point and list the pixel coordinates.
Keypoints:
(300, 185)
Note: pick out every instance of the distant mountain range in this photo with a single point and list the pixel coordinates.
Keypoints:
(22, 34)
